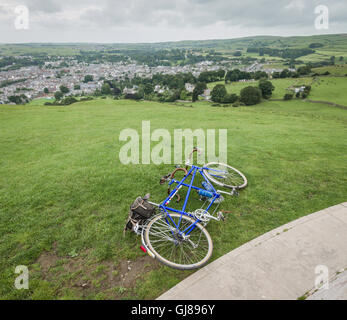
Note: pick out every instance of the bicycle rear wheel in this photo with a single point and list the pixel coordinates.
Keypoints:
(177, 250)
(225, 175)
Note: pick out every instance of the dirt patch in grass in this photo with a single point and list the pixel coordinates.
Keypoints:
(48, 260)
(87, 277)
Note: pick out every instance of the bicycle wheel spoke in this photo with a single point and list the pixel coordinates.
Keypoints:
(170, 243)
(223, 174)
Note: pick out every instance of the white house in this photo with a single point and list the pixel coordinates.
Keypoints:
(189, 87)
(133, 90)
(301, 89)
(207, 94)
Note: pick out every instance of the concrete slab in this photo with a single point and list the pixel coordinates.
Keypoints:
(280, 264)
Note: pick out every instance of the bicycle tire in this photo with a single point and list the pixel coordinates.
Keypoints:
(159, 256)
(230, 170)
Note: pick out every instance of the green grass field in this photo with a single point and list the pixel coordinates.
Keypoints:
(337, 70)
(64, 195)
(332, 89)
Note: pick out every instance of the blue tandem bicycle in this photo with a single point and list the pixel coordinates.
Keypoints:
(177, 237)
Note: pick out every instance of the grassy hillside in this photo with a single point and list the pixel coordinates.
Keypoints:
(64, 195)
(332, 89)
(334, 44)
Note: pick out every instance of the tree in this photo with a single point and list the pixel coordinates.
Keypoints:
(230, 98)
(148, 88)
(332, 59)
(18, 99)
(288, 96)
(77, 87)
(304, 70)
(45, 90)
(195, 96)
(276, 75)
(116, 91)
(58, 95)
(199, 89)
(105, 89)
(250, 95)
(266, 88)
(64, 89)
(218, 93)
(88, 78)
(184, 95)
(233, 75)
(175, 95)
(68, 100)
(285, 74)
(260, 75)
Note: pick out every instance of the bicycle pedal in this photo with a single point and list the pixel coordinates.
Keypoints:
(234, 193)
(221, 216)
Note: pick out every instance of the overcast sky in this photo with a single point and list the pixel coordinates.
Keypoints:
(165, 20)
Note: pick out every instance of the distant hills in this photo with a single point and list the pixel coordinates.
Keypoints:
(330, 42)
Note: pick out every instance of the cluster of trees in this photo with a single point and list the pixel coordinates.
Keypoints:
(316, 45)
(248, 96)
(58, 95)
(63, 102)
(237, 75)
(219, 94)
(6, 83)
(283, 53)
(286, 73)
(88, 78)
(18, 99)
(13, 63)
(211, 76)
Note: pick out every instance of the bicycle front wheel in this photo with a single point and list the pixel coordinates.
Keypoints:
(174, 248)
(225, 175)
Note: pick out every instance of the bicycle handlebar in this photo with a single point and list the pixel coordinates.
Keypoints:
(195, 149)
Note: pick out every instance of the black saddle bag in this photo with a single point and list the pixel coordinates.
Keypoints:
(140, 211)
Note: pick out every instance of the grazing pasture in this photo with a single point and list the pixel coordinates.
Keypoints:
(64, 195)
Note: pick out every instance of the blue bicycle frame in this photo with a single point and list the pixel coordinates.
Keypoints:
(164, 206)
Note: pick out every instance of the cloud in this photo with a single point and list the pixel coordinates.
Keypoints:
(161, 20)
(295, 5)
(45, 6)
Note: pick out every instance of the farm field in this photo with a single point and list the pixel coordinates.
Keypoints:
(281, 85)
(64, 195)
(332, 89)
(337, 70)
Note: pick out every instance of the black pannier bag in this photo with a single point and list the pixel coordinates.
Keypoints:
(140, 211)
